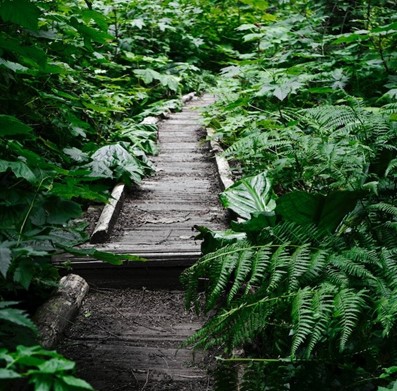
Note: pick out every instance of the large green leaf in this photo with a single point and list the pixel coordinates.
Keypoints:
(61, 211)
(11, 126)
(249, 195)
(22, 12)
(20, 170)
(326, 212)
(91, 33)
(115, 161)
(214, 240)
(8, 374)
(75, 382)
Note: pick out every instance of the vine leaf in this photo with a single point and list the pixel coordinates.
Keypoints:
(250, 195)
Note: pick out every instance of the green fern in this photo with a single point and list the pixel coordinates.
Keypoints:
(348, 305)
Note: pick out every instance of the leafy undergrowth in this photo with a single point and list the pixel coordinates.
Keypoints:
(304, 281)
(76, 80)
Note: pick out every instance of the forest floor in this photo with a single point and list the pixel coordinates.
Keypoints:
(129, 336)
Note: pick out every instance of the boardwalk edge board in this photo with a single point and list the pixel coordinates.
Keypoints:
(109, 215)
(112, 209)
(222, 165)
(57, 313)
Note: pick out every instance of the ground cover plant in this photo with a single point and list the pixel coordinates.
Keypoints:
(303, 284)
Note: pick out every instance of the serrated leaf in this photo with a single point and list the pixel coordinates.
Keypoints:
(117, 162)
(76, 154)
(5, 260)
(147, 75)
(24, 273)
(56, 365)
(17, 317)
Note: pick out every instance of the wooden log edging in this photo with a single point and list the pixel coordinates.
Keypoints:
(109, 215)
(222, 165)
(112, 209)
(57, 313)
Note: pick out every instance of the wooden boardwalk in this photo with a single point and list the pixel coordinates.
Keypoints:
(128, 334)
(159, 216)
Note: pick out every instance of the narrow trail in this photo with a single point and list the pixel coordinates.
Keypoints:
(128, 334)
(158, 218)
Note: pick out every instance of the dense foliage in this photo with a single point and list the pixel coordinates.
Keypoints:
(76, 80)
(303, 285)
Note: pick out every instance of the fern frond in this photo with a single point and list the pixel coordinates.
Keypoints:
(255, 142)
(385, 208)
(298, 265)
(348, 305)
(221, 269)
(278, 267)
(351, 267)
(388, 262)
(316, 266)
(330, 118)
(322, 307)
(259, 264)
(244, 262)
(250, 321)
(302, 317)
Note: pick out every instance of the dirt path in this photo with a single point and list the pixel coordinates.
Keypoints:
(131, 338)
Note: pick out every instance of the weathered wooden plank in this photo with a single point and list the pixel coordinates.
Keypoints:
(109, 215)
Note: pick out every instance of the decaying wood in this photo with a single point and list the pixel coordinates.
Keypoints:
(55, 315)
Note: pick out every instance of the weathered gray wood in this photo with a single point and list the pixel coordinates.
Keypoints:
(188, 97)
(225, 174)
(109, 215)
(127, 339)
(55, 315)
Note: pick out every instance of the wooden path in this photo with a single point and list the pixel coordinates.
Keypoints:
(128, 334)
(158, 217)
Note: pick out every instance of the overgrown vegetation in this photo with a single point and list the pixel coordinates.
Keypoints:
(304, 281)
(303, 284)
(76, 79)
